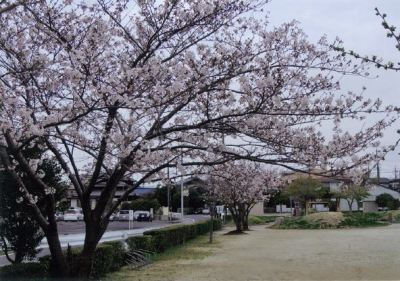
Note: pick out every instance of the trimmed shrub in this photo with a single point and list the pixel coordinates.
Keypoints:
(145, 242)
(118, 254)
(24, 271)
(103, 260)
(108, 257)
(176, 235)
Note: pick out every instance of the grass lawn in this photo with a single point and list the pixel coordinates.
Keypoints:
(270, 254)
(169, 262)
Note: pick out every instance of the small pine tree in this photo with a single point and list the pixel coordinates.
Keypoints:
(18, 232)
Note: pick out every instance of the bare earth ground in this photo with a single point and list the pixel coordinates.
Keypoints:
(271, 254)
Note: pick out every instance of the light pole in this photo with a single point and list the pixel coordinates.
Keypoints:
(169, 196)
(182, 197)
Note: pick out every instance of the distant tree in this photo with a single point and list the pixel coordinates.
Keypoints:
(386, 200)
(240, 185)
(196, 197)
(145, 204)
(305, 189)
(161, 194)
(352, 193)
(279, 198)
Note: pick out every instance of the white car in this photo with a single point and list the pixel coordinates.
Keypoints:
(73, 215)
(122, 215)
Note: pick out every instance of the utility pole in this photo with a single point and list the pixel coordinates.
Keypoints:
(212, 221)
(378, 173)
(169, 195)
(182, 214)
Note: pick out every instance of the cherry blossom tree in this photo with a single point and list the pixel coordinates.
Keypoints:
(7, 6)
(392, 33)
(239, 185)
(121, 89)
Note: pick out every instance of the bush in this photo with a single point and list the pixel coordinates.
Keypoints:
(168, 237)
(142, 204)
(254, 220)
(363, 220)
(342, 220)
(108, 257)
(118, 254)
(386, 200)
(103, 260)
(24, 271)
(145, 242)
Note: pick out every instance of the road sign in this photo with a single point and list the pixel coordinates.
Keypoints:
(131, 215)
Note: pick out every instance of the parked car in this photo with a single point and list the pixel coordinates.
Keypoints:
(143, 216)
(59, 216)
(205, 211)
(122, 215)
(73, 215)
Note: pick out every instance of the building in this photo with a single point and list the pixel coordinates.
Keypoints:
(122, 186)
(369, 204)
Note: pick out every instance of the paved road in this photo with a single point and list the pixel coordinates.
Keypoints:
(73, 233)
(67, 228)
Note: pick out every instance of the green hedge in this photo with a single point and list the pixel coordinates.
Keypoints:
(110, 256)
(118, 254)
(176, 235)
(28, 271)
(145, 242)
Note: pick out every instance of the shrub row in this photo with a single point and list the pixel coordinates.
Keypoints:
(111, 256)
(108, 257)
(30, 271)
(162, 239)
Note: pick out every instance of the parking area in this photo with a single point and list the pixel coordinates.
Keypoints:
(70, 227)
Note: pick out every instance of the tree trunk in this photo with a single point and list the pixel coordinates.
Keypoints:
(350, 205)
(57, 256)
(236, 218)
(245, 222)
(84, 264)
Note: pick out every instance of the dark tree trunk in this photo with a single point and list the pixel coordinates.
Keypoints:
(350, 203)
(247, 208)
(237, 219)
(94, 232)
(58, 259)
(245, 224)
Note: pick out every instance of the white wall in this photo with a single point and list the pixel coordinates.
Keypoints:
(258, 209)
(285, 209)
(344, 206)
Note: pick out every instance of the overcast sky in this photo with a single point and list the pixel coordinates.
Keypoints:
(355, 22)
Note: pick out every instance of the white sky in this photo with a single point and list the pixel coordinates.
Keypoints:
(355, 22)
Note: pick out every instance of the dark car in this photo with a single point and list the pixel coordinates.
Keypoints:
(144, 217)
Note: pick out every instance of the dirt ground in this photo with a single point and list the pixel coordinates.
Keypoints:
(271, 254)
